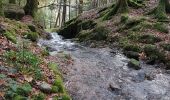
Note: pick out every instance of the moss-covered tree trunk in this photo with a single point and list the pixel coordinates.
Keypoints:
(160, 11)
(1, 9)
(120, 7)
(31, 7)
(12, 1)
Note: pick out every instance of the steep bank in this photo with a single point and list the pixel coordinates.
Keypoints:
(27, 71)
(141, 35)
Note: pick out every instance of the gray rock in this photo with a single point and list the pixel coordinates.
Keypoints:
(13, 11)
(45, 87)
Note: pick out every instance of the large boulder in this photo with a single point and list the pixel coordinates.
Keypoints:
(13, 11)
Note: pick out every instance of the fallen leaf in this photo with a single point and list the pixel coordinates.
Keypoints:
(28, 78)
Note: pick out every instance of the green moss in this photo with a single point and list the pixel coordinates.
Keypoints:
(133, 36)
(32, 28)
(160, 11)
(19, 97)
(87, 24)
(135, 3)
(11, 36)
(84, 35)
(132, 47)
(24, 90)
(120, 7)
(161, 27)
(40, 96)
(99, 33)
(149, 39)
(123, 41)
(134, 64)
(59, 83)
(45, 52)
(124, 18)
(55, 89)
(166, 46)
(70, 30)
(54, 67)
(33, 36)
(153, 53)
(65, 97)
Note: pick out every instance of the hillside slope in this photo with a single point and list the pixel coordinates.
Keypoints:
(136, 28)
(27, 71)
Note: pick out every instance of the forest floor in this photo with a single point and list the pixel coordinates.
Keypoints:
(27, 71)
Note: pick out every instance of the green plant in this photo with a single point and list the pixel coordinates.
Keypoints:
(59, 83)
(18, 92)
(40, 96)
(149, 39)
(25, 61)
(131, 47)
(11, 36)
(161, 27)
(33, 36)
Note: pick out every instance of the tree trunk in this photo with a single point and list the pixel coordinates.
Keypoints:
(12, 1)
(80, 6)
(1, 9)
(31, 7)
(64, 13)
(160, 11)
(120, 7)
(58, 16)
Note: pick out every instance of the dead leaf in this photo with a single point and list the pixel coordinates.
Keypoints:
(28, 78)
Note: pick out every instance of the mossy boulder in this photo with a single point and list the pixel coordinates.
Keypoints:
(13, 11)
(33, 36)
(134, 64)
(149, 39)
(70, 30)
(98, 33)
(132, 51)
(73, 27)
(84, 35)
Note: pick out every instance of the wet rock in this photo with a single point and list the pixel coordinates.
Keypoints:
(45, 87)
(134, 64)
(113, 87)
(13, 11)
(140, 77)
(48, 35)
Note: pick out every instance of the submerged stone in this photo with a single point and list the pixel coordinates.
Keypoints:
(134, 64)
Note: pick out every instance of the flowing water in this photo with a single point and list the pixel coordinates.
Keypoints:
(103, 74)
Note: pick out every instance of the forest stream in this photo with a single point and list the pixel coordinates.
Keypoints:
(103, 74)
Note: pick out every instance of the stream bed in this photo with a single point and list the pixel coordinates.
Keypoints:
(103, 74)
